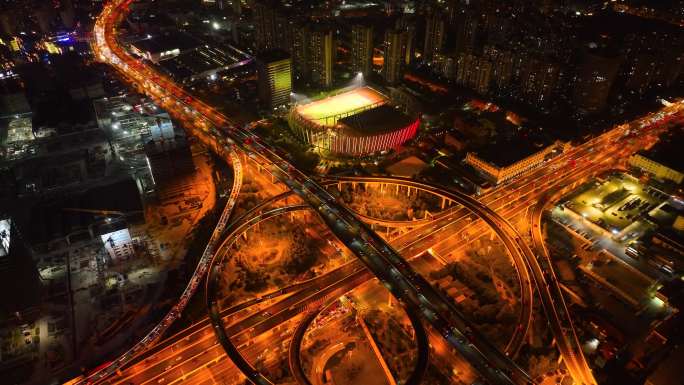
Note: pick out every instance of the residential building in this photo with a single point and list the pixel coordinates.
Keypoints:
(595, 77)
(300, 51)
(538, 80)
(434, 36)
(395, 55)
(361, 48)
(265, 25)
(321, 53)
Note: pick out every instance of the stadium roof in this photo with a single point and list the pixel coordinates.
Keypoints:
(377, 120)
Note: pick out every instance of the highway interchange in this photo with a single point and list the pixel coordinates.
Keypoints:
(383, 260)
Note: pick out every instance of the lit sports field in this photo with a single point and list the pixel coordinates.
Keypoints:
(337, 106)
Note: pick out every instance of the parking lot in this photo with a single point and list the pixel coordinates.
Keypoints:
(615, 203)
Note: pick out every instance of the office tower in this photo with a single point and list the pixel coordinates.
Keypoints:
(321, 57)
(434, 36)
(651, 60)
(640, 72)
(464, 67)
(274, 70)
(595, 76)
(452, 9)
(361, 48)
(395, 52)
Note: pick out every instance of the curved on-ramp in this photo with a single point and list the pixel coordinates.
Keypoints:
(333, 290)
(499, 225)
(422, 346)
(522, 273)
(551, 296)
(252, 217)
(555, 306)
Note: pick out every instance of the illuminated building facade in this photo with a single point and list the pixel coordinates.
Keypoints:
(657, 169)
(663, 160)
(356, 122)
(275, 78)
(118, 244)
(378, 129)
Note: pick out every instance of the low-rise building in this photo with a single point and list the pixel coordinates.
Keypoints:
(407, 167)
(664, 160)
(501, 163)
(163, 47)
(204, 62)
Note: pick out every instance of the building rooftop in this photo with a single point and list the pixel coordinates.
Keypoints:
(167, 42)
(507, 152)
(377, 120)
(204, 59)
(407, 167)
(668, 151)
(272, 55)
(500, 137)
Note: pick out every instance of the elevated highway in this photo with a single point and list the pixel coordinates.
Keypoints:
(473, 334)
(216, 130)
(408, 286)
